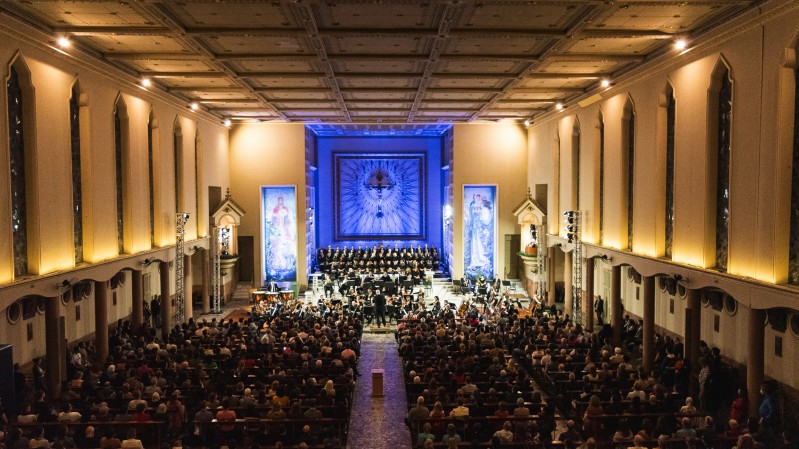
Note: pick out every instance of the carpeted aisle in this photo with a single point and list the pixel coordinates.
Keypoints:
(378, 423)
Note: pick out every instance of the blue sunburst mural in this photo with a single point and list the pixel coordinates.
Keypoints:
(379, 196)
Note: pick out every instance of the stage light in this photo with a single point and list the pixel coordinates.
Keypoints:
(146, 82)
(680, 44)
(64, 42)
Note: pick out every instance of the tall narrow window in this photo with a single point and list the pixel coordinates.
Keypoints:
(669, 228)
(724, 120)
(150, 179)
(601, 177)
(118, 137)
(576, 164)
(793, 263)
(77, 208)
(177, 147)
(197, 181)
(630, 176)
(19, 221)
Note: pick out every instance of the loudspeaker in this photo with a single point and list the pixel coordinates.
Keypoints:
(7, 374)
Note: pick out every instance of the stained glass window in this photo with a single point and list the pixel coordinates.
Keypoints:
(19, 221)
(176, 148)
(793, 267)
(630, 177)
(724, 121)
(669, 228)
(77, 208)
(150, 179)
(118, 165)
(576, 174)
(197, 182)
(601, 176)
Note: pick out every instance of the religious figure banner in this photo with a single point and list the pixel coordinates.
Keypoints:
(379, 196)
(479, 230)
(279, 233)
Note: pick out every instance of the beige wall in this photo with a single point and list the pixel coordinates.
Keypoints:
(268, 154)
(489, 154)
(52, 260)
(760, 176)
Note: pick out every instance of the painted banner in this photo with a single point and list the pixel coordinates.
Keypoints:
(279, 218)
(379, 196)
(479, 230)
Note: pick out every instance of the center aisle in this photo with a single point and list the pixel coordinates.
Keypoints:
(378, 423)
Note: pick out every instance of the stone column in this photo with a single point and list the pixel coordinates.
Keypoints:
(693, 326)
(137, 317)
(167, 311)
(55, 352)
(188, 283)
(101, 320)
(615, 304)
(550, 277)
(206, 280)
(754, 362)
(588, 296)
(649, 322)
(568, 285)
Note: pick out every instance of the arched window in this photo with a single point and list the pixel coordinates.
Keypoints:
(576, 164)
(669, 216)
(77, 187)
(197, 156)
(151, 177)
(628, 133)
(556, 180)
(177, 148)
(121, 142)
(601, 176)
(721, 117)
(793, 263)
(17, 103)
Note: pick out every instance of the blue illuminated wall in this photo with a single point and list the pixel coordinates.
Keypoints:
(413, 217)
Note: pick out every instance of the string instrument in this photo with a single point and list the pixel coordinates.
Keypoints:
(464, 307)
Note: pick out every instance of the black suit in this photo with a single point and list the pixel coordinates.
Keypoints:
(379, 302)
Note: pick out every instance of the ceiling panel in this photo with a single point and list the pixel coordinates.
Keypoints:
(256, 44)
(467, 60)
(219, 14)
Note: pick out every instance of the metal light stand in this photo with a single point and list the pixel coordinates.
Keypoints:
(216, 272)
(577, 268)
(180, 233)
(540, 263)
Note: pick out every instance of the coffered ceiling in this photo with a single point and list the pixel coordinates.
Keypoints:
(381, 61)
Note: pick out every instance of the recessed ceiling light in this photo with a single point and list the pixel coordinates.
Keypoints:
(64, 42)
(680, 44)
(146, 82)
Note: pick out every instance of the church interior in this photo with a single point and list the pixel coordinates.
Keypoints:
(351, 223)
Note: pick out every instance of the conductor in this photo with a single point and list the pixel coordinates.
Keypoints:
(379, 302)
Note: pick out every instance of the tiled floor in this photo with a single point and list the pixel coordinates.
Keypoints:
(378, 423)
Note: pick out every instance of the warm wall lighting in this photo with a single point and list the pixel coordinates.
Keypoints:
(146, 82)
(194, 106)
(680, 44)
(527, 123)
(226, 122)
(605, 83)
(559, 106)
(64, 42)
